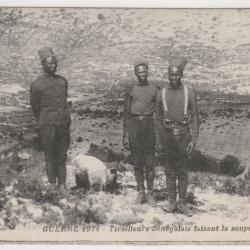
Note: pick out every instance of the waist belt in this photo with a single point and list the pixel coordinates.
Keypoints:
(141, 116)
(169, 123)
(175, 128)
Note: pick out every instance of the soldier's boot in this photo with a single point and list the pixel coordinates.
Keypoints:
(182, 205)
(63, 191)
(51, 171)
(150, 184)
(139, 176)
(170, 205)
(150, 198)
(140, 198)
(184, 209)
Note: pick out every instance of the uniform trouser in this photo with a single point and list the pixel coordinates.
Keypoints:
(176, 171)
(141, 143)
(55, 142)
(175, 158)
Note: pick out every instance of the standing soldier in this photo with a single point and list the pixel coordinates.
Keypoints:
(48, 99)
(177, 127)
(138, 130)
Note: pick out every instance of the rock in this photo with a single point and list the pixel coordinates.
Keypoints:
(3, 214)
(96, 214)
(23, 155)
(245, 175)
(128, 180)
(126, 218)
(160, 182)
(65, 204)
(9, 189)
(12, 222)
(23, 200)
(34, 211)
(160, 179)
(57, 210)
(53, 215)
(131, 184)
(82, 206)
(17, 210)
(12, 202)
(79, 139)
(44, 181)
(2, 223)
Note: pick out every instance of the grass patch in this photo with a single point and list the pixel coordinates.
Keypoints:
(229, 165)
(221, 183)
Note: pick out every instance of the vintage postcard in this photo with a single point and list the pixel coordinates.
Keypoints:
(124, 125)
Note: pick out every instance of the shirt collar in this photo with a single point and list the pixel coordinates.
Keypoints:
(46, 75)
(169, 87)
(146, 84)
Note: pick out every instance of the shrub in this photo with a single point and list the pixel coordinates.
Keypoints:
(230, 165)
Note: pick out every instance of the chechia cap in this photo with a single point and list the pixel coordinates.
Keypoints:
(140, 63)
(45, 52)
(178, 62)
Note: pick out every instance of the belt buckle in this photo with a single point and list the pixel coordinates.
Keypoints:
(140, 117)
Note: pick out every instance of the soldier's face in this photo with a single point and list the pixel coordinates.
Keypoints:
(175, 75)
(50, 65)
(141, 72)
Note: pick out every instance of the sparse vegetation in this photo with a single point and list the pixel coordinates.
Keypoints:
(96, 54)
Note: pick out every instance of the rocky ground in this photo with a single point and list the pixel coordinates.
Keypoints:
(217, 191)
(96, 49)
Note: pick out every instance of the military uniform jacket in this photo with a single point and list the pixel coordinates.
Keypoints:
(48, 99)
(175, 103)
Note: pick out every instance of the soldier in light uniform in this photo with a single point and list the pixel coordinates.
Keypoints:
(138, 130)
(48, 99)
(177, 127)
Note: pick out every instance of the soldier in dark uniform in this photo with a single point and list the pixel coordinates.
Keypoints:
(177, 127)
(138, 130)
(48, 99)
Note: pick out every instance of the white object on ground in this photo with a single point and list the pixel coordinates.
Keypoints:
(96, 170)
(24, 155)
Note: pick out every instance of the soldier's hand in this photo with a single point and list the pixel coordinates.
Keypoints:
(125, 141)
(190, 148)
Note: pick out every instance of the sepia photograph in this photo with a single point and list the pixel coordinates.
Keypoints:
(124, 125)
